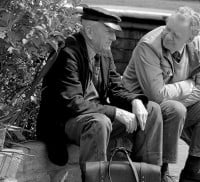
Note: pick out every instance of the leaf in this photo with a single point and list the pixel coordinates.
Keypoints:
(14, 38)
(56, 33)
(13, 151)
(58, 36)
(8, 117)
(12, 127)
(41, 33)
(5, 118)
(4, 17)
(3, 23)
(3, 32)
(37, 41)
(53, 44)
(39, 27)
(18, 135)
(54, 23)
(4, 3)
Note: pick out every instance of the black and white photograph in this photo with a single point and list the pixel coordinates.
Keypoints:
(99, 91)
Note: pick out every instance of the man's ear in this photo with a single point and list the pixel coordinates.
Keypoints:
(89, 31)
(194, 34)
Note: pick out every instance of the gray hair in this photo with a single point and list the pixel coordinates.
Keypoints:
(194, 18)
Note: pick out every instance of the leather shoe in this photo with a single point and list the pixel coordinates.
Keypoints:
(168, 178)
(186, 176)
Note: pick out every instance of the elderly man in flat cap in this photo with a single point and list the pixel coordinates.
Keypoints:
(75, 108)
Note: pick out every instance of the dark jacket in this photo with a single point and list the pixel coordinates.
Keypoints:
(64, 88)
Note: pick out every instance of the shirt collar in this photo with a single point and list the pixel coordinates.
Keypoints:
(181, 50)
(91, 52)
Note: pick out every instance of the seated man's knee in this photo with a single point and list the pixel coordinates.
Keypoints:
(153, 107)
(154, 113)
(174, 107)
(103, 122)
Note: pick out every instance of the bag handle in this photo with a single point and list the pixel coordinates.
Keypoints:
(125, 151)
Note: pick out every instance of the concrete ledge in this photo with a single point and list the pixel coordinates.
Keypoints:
(34, 166)
(30, 163)
(135, 12)
(10, 160)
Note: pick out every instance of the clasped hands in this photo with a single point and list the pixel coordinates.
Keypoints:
(132, 120)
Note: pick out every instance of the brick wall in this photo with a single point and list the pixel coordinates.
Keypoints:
(133, 30)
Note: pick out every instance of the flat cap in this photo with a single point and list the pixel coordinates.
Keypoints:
(102, 15)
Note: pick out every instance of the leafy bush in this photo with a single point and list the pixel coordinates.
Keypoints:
(29, 31)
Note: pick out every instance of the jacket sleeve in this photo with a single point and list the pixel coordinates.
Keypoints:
(150, 77)
(70, 90)
(118, 94)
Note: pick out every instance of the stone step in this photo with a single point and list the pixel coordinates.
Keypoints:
(30, 164)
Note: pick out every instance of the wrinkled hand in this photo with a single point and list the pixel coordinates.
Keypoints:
(140, 111)
(128, 119)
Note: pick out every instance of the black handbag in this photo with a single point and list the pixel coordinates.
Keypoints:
(120, 171)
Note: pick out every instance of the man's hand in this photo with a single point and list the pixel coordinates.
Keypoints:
(140, 111)
(128, 119)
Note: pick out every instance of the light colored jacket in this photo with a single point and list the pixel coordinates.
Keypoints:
(150, 69)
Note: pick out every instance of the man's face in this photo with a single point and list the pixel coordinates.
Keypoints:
(102, 37)
(176, 33)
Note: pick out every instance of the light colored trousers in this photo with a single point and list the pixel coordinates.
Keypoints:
(174, 114)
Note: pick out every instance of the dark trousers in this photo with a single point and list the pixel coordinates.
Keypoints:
(92, 133)
(191, 130)
(191, 135)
